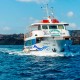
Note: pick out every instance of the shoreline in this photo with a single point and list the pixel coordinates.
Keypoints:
(18, 39)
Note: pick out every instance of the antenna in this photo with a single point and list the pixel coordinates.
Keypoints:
(46, 9)
(49, 12)
(52, 12)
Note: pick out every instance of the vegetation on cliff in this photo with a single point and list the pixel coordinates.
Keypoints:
(12, 39)
(75, 36)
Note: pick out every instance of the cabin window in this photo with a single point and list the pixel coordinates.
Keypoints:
(44, 27)
(52, 27)
(34, 27)
(39, 27)
(60, 27)
(30, 42)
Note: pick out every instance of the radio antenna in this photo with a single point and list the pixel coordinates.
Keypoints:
(46, 9)
(47, 12)
(52, 12)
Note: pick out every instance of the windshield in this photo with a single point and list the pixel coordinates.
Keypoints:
(44, 27)
(35, 27)
(52, 26)
(60, 27)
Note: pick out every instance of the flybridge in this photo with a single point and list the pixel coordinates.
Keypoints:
(50, 21)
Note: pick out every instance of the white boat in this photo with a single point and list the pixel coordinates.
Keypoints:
(48, 35)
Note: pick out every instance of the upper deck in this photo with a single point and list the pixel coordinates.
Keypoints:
(48, 27)
(49, 22)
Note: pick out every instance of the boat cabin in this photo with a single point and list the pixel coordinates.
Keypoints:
(48, 26)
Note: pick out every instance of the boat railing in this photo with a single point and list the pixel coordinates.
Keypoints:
(26, 35)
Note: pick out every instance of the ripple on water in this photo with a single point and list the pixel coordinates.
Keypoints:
(15, 65)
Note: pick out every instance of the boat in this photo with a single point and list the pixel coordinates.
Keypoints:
(48, 35)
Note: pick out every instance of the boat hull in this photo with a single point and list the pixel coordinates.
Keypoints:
(49, 45)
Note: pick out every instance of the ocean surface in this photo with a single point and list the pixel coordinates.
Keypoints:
(17, 65)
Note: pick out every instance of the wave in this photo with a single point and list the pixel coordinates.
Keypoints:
(74, 51)
(20, 52)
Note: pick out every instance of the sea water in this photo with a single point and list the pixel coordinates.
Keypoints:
(17, 65)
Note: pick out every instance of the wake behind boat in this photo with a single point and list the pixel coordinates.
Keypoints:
(48, 35)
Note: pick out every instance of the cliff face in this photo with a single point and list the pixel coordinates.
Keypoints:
(18, 39)
(75, 35)
(13, 39)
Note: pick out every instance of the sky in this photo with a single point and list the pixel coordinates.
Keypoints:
(17, 15)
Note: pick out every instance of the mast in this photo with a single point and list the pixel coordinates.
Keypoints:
(47, 11)
(52, 14)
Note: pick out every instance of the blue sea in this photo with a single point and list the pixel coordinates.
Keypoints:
(16, 65)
